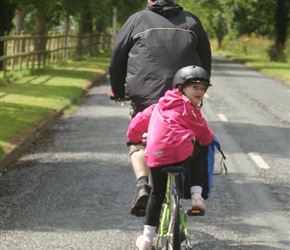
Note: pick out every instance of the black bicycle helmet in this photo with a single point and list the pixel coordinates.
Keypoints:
(190, 74)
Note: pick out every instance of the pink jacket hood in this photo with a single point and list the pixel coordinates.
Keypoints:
(172, 125)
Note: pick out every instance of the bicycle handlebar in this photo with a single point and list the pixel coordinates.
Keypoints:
(123, 99)
(141, 142)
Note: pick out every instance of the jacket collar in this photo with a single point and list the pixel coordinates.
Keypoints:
(164, 8)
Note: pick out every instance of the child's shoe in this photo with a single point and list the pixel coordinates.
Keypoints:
(197, 203)
(142, 244)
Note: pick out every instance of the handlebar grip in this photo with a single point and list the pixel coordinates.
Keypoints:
(123, 99)
(129, 143)
(111, 94)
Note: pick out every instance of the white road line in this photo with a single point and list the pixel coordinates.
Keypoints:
(259, 160)
(222, 117)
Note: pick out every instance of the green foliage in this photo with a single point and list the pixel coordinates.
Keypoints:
(246, 19)
(6, 16)
(55, 12)
(227, 20)
(234, 17)
(13, 76)
(222, 19)
(276, 55)
(127, 8)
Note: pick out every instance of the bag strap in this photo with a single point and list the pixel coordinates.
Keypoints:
(222, 162)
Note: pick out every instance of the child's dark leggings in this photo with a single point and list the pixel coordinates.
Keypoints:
(159, 180)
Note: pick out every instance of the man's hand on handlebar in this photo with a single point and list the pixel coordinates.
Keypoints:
(113, 97)
(142, 141)
(144, 138)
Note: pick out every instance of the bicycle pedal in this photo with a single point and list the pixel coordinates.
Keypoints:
(141, 212)
(195, 212)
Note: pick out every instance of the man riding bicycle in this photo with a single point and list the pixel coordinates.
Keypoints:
(150, 47)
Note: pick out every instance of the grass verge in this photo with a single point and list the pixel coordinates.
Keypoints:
(26, 101)
(252, 51)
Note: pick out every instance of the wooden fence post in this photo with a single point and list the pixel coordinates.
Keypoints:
(13, 46)
(28, 50)
(4, 54)
(21, 42)
(65, 45)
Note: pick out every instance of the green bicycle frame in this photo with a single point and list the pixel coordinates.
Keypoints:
(166, 210)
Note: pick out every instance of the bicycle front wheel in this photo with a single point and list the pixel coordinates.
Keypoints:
(174, 230)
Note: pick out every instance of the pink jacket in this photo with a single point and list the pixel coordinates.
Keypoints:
(172, 124)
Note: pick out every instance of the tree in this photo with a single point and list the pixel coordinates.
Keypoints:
(19, 19)
(7, 13)
(126, 8)
(212, 14)
(41, 16)
(276, 52)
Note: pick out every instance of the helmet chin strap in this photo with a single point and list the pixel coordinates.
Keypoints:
(201, 103)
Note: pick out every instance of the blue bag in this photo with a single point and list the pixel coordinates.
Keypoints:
(210, 167)
(208, 155)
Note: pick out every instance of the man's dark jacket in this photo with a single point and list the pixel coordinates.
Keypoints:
(151, 46)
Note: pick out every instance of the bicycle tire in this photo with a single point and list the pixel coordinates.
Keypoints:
(174, 243)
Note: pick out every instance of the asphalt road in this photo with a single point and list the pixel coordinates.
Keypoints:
(72, 189)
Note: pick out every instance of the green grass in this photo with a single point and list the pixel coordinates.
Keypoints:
(29, 99)
(254, 54)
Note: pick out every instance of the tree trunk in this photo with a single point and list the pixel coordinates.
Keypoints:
(20, 15)
(281, 24)
(277, 51)
(19, 27)
(66, 22)
(114, 24)
(6, 17)
(100, 25)
(40, 43)
(85, 26)
(80, 34)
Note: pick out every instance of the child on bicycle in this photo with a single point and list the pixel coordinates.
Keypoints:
(176, 133)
